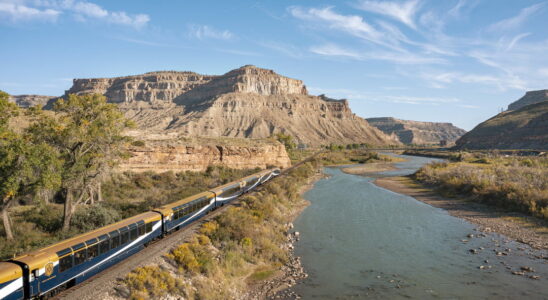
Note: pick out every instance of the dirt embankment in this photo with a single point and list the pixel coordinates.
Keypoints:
(522, 228)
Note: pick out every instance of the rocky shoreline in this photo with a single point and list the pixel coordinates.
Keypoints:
(278, 287)
(531, 231)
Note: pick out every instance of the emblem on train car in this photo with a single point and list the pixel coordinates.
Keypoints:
(49, 269)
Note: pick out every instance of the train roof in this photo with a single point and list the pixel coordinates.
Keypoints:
(9, 271)
(218, 189)
(40, 257)
(168, 207)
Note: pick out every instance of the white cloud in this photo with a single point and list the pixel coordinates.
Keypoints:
(394, 57)
(202, 32)
(351, 24)
(516, 21)
(19, 12)
(334, 50)
(403, 12)
(81, 10)
(516, 39)
(503, 83)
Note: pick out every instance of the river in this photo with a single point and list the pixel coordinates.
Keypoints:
(358, 241)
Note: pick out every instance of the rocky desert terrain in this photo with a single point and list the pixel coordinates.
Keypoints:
(418, 133)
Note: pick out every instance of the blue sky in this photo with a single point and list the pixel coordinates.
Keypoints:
(456, 61)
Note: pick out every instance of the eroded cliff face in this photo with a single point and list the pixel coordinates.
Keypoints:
(530, 97)
(153, 87)
(183, 154)
(247, 102)
(415, 132)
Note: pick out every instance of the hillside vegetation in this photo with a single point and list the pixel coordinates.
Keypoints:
(246, 243)
(508, 182)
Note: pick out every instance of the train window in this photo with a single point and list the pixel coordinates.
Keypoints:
(65, 263)
(142, 229)
(93, 251)
(134, 233)
(149, 227)
(80, 257)
(114, 239)
(124, 234)
(104, 244)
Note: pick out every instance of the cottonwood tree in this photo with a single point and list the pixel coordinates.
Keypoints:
(25, 167)
(88, 134)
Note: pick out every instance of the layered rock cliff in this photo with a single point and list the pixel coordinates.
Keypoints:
(169, 153)
(248, 102)
(30, 100)
(530, 97)
(419, 133)
(523, 128)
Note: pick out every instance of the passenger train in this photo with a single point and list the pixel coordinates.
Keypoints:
(45, 272)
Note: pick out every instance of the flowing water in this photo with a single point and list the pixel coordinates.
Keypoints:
(358, 241)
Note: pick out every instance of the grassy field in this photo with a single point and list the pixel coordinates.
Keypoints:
(509, 182)
(125, 194)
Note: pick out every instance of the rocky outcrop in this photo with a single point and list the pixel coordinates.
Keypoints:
(524, 128)
(248, 102)
(30, 100)
(530, 97)
(419, 133)
(152, 88)
(183, 154)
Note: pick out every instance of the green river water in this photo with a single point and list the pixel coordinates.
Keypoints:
(360, 241)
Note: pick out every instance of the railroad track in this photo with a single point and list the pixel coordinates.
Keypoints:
(97, 286)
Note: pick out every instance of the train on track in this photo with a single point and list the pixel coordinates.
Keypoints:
(45, 272)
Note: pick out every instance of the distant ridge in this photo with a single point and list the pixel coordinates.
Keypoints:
(416, 132)
(530, 97)
(525, 126)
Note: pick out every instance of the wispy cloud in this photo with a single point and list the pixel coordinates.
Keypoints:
(368, 96)
(503, 83)
(81, 10)
(403, 12)
(516, 39)
(203, 32)
(398, 58)
(284, 48)
(516, 21)
(19, 12)
(350, 24)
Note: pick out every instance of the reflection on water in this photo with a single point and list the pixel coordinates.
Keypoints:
(359, 241)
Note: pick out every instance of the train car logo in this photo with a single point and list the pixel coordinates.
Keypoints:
(49, 269)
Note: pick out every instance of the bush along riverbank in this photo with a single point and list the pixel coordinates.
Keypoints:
(510, 183)
(245, 252)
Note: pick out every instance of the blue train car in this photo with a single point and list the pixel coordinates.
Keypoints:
(65, 264)
(11, 281)
(44, 272)
(180, 213)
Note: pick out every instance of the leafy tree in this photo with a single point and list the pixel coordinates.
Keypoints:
(25, 167)
(287, 140)
(88, 134)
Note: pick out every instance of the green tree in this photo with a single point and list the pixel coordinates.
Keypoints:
(25, 167)
(287, 140)
(88, 134)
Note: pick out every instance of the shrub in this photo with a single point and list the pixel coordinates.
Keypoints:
(151, 282)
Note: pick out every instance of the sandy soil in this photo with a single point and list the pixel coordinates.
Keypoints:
(522, 228)
(368, 169)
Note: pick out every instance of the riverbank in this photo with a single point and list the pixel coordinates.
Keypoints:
(278, 286)
(522, 228)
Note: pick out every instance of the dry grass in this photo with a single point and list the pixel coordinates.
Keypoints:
(244, 245)
(513, 183)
